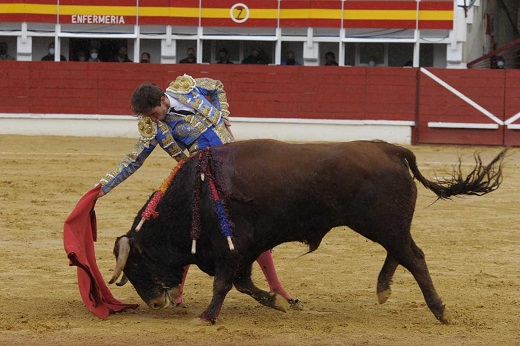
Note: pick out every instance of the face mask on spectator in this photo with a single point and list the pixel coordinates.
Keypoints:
(94, 56)
(51, 51)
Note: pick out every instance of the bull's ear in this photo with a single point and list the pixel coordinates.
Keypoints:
(116, 246)
(135, 245)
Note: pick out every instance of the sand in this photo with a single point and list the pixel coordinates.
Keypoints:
(472, 247)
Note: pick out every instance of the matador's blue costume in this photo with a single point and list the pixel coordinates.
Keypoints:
(192, 123)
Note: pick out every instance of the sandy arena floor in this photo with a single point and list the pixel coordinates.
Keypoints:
(472, 246)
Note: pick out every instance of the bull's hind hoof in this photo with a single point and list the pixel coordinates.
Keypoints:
(295, 304)
(383, 296)
(280, 303)
(445, 318)
(200, 321)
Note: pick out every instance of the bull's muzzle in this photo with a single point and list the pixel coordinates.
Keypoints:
(165, 299)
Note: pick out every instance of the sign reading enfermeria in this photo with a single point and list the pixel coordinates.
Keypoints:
(92, 19)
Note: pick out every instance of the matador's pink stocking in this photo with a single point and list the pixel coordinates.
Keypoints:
(265, 260)
(178, 300)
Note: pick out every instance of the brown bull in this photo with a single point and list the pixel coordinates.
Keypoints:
(276, 192)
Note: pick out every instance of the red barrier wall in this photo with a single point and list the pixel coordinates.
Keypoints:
(253, 91)
(349, 93)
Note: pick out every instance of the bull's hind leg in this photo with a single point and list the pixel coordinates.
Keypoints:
(244, 284)
(412, 258)
(384, 280)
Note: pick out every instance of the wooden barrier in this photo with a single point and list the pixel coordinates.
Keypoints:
(447, 106)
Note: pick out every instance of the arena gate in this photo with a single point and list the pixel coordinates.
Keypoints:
(468, 107)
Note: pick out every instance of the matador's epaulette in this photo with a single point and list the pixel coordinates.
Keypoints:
(182, 85)
(147, 128)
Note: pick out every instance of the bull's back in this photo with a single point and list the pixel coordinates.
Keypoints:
(267, 171)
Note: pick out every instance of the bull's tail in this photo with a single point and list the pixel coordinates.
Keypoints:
(481, 180)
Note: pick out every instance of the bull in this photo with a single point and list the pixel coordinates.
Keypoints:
(276, 192)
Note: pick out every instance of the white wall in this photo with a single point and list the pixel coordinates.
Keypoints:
(300, 130)
(475, 44)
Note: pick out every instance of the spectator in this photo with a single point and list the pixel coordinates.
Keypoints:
(191, 58)
(81, 56)
(372, 61)
(50, 56)
(4, 52)
(94, 55)
(223, 57)
(122, 55)
(500, 62)
(257, 57)
(145, 57)
(330, 59)
(290, 60)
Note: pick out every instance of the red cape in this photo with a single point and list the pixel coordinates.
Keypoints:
(79, 235)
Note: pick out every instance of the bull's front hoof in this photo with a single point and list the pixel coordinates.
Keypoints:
(295, 304)
(383, 296)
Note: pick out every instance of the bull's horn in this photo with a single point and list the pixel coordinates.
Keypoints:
(124, 250)
(123, 280)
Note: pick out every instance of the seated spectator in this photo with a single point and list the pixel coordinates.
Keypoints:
(223, 57)
(4, 52)
(94, 55)
(257, 57)
(50, 56)
(501, 62)
(290, 60)
(81, 56)
(145, 57)
(330, 59)
(372, 61)
(122, 55)
(191, 58)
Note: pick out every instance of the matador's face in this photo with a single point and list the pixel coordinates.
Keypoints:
(158, 113)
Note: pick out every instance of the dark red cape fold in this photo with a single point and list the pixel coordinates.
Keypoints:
(79, 235)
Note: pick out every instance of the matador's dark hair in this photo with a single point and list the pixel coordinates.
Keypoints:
(146, 96)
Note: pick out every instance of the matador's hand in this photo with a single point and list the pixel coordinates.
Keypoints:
(100, 193)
